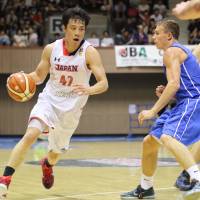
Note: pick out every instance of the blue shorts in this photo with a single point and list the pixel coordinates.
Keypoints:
(182, 122)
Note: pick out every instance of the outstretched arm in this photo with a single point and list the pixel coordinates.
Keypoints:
(187, 10)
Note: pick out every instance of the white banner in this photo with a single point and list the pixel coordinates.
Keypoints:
(139, 55)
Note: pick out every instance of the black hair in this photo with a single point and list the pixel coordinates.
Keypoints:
(171, 26)
(75, 13)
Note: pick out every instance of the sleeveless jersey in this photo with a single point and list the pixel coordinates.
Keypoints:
(190, 75)
(67, 70)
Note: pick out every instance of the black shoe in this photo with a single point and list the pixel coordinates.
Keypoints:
(194, 192)
(183, 181)
(138, 193)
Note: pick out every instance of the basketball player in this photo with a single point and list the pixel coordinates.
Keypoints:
(179, 126)
(183, 180)
(70, 61)
(184, 11)
(187, 10)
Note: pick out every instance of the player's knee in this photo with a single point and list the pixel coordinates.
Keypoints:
(150, 143)
(30, 136)
(165, 139)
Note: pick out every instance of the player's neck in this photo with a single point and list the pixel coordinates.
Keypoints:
(70, 47)
(169, 44)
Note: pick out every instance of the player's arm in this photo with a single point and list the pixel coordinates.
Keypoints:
(172, 59)
(187, 10)
(196, 52)
(42, 69)
(94, 62)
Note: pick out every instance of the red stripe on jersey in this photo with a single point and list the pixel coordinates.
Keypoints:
(65, 52)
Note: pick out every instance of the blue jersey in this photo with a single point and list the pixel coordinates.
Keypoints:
(190, 75)
(182, 121)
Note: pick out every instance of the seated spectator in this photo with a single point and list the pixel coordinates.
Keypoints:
(106, 7)
(94, 40)
(156, 15)
(194, 36)
(131, 25)
(19, 39)
(106, 40)
(124, 38)
(193, 28)
(140, 37)
(4, 39)
(120, 10)
(150, 32)
(144, 17)
(132, 10)
(33, 38)
(143, 6)
(161, 6)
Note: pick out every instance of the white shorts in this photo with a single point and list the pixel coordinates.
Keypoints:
(61, 125)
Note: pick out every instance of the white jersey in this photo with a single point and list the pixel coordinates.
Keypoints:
(67, 70)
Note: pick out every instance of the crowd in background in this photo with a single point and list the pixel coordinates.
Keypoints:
(194, 32)
(24, 22)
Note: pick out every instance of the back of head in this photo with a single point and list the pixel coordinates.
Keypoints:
(75, 13)
(170, 26)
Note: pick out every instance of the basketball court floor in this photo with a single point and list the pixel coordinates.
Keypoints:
(90, 170)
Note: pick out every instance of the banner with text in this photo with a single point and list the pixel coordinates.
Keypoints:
(139, 55)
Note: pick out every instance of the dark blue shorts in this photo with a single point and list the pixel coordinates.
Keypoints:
(181, 122)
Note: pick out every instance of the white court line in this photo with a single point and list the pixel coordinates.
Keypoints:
(102, 193)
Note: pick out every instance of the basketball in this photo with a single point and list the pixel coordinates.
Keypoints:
(21, 87)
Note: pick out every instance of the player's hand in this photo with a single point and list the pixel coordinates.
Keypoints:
(81, 89)
(144, 115)
(159, 90)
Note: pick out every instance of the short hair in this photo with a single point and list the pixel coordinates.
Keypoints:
(75, 13)
(170, 26)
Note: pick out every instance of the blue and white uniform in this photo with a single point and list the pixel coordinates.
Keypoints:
(183, 121)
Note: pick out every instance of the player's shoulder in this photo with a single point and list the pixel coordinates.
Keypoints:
(173, 51)
(91, 50)
(48, 48)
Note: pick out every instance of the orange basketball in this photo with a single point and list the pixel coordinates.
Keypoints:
(21, 87)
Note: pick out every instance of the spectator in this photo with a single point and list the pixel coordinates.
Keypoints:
(144, 17)
(140, 37)
(162, 7)
(143, 6)
(156, 15)
(124, 38)
(4, 39)
(151, 28)
(106, 9)
(119, 16)
(106, 40)
(20, 40)
(33, 37)
(131, 25)
(94, 40)
(120, 10)
(132, 10)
